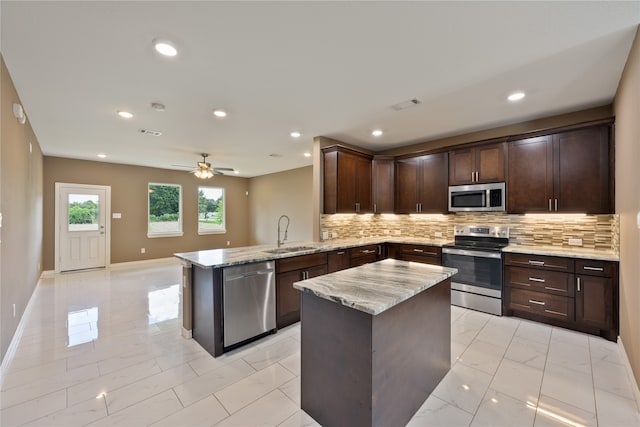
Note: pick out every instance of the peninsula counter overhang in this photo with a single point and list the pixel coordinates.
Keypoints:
(374, 288)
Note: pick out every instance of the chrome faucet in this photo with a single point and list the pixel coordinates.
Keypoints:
(285, 230)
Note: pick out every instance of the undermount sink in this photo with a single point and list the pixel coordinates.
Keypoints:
(289, 249)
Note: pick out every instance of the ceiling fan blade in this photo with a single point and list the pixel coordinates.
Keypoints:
(217, 172)
(224, 169)
(182, 166)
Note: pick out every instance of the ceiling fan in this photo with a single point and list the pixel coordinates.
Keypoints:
(204, 170)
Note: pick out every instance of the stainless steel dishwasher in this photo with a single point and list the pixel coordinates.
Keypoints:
(248, 301)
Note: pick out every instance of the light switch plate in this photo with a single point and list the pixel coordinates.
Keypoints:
(116, 215)
(438, 234)
(325, 235)
(637, 220)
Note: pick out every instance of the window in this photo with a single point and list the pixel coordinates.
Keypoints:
(84, 212)
(165, 210)
(211, 216)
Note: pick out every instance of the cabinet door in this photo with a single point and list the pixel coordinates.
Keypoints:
(316, 271)
(594, 301)
(363, 185)
(433, 185)
(407, 185)
(530, 183)
(490, 162)
(346, 185)
(582, 174)
(287, 298)
(383, 185)
(462, 166)
(338, 260)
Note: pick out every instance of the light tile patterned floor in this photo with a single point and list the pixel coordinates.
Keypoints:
(104, 348)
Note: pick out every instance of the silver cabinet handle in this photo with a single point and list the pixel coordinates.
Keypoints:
(586, 267)
(472, 176)
(357, 207)
(532, 301)
(340, 253)
(549, 288)
(418, 250)
(366, 251)
(555, 312)
(556, 205)
(536, 262)
(375, 207)
(578, 284)
(379, 249)
(477, 176)
(420, 206)
(549, 204)
(535, 279)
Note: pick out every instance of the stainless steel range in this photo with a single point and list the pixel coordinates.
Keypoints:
(477, 254)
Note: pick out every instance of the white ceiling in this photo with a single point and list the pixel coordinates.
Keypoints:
(322, 68)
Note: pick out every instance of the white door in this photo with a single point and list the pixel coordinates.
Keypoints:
(82, 226)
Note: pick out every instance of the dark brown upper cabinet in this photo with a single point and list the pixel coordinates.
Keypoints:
(421, 184)
(479, 164)
(347, 181)
(565, 172)
(383, 177)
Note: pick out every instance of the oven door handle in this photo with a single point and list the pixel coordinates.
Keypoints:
(479, 254)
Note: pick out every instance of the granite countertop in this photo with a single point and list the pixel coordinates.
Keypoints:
(225, 257)
(215, 258)
(376, 287)
(564, 252)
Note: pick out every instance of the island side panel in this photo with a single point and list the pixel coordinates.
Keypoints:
(335, 363)
(207, 308)
(187, 300)
(411, 354)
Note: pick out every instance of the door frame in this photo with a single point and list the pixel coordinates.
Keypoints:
(107, 223)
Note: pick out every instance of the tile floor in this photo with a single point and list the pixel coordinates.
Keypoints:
(104, 348)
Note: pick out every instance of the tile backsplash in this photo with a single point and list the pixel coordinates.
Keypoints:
(596, 231)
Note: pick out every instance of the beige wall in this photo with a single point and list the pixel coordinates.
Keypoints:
(129, 197)
(21, 206)
(283, 193)
(627, 110)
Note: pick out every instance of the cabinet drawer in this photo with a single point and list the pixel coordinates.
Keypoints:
(540, 261)
(423, 250)
(595, 267)
(338, 260)
(300, 262)
(533, 279)
(364, 251)
(547, 305)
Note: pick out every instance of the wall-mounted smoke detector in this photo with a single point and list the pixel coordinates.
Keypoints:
(406, 104)
(150, 132)
(157, 106)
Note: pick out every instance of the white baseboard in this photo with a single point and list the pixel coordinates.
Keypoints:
(47, 273)
(13, 345)
(187, 333)
(145, 263)
(627, 365)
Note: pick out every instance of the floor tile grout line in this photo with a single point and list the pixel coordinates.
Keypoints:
(593, 381)
(544, 370)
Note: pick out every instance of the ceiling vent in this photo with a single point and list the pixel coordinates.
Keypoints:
(406, 104)
(150, 132)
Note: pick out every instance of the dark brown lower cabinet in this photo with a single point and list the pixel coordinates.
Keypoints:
(288, 271)
(338, 260)
(424, 254)
(582, 296)
(364, 255)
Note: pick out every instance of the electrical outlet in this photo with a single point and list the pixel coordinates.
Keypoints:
(438, 234)
(143, 250)
(575, 242)
(334, 234)
(228, 242)
(361, 232)
(325, 235)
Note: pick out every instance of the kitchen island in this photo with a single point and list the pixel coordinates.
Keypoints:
(376, 341)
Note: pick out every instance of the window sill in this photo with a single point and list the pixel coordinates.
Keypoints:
(204, 233)
(177, 234)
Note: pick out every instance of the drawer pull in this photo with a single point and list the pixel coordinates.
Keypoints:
(532, 262)
(535, 279)
(368, 252)
(431, 253)
(549, 288)
(340, 253)
(586, 267)
(418, 250)
(578, 284)
(532, 301)
(555, 312)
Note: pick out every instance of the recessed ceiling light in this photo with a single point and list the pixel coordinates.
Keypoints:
(102, 156)
(165, 47)
(295, 134)
(125, 114)
(376, 132)
(307, 154)
(219, 113)
(516, 96)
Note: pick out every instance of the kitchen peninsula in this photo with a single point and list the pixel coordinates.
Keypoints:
(376, 340)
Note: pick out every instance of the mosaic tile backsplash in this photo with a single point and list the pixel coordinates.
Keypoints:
(596, 231)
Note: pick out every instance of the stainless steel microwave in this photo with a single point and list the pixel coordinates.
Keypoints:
(477, 198)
